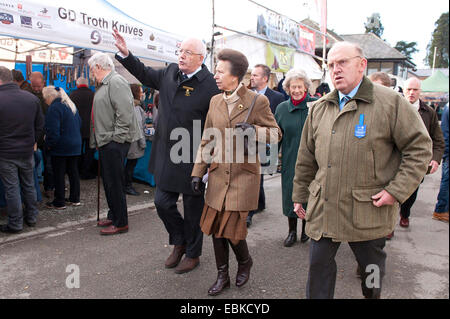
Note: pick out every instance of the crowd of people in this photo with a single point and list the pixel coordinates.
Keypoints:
(351, 159)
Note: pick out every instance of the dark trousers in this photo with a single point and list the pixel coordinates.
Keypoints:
(87, 159)
(17, 178)
(261, 199)
(129, 170)
(112, 160)
(49, 183)
(322, 267)
(182, 231)
(62, 165)
(405, 208)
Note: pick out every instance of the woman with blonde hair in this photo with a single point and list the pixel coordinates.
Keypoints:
(63, 141)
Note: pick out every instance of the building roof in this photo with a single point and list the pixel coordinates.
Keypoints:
(429, 72)
(374, 47)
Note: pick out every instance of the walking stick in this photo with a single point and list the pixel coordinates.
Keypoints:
(98, 188)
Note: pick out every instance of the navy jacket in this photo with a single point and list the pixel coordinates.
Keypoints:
(275, 98)
(180, 104)
(21, 121)
(62, 130)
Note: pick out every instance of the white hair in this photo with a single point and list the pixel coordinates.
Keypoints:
(51, 93)
(82, 81)
(412, 79)
(199, 45)
(103, 60)
(296, 74)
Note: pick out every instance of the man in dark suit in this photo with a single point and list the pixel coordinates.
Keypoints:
(83, 97)
(259, 81)
(185, 90)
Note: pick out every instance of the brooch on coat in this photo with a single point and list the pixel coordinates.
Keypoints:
(188, 90)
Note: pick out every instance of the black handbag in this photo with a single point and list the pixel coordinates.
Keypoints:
(250, 151)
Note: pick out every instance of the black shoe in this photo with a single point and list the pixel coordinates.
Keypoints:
(50, 205)
(7, 229)
(304, 238)
(29, 224)
(290, 239)
(131, 191)
(249, 221)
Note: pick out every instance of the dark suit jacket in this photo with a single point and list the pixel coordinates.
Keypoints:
(431, 122)
(177, 112)
(275, 98)
(83, 99)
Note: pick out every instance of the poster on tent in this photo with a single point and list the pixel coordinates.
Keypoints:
(75, 24)
(278, 58)
(41, 52)
(307, 40)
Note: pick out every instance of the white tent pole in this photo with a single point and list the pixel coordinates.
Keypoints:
(434, 60)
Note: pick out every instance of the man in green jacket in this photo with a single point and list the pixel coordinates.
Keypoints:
(113, 127)
(363, 151)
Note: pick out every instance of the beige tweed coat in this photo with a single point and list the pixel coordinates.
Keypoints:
(233, 185)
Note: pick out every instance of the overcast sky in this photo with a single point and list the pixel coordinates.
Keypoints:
(405, 20)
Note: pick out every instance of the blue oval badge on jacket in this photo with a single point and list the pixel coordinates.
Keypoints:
(360, 129)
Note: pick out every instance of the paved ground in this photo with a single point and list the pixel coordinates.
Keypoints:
(34, 264)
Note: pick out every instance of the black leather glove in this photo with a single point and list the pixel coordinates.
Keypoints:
(244, 126)
(197, 185)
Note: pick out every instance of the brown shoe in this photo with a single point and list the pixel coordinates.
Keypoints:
(443, 217)
(404, 222)
(112, 230)
(174, 259)
(104, 223)
(243, 273)
(187, 264)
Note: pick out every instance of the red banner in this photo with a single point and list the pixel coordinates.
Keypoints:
(307, 40)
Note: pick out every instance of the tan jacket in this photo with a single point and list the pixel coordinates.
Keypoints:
(233, 186)
(337, 173)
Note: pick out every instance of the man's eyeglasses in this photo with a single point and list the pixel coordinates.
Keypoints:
(187, 53)
(341, 63)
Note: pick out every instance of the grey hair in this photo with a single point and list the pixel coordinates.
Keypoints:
(50, 92)
(5, 75)
(296, 74)
(356, 46)
(103, 60)
(82, 81)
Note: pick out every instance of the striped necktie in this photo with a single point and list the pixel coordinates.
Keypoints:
(345, 99)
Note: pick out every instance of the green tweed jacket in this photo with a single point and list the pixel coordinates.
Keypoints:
(376, 142)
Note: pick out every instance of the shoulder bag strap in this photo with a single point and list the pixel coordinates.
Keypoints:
(251, 107)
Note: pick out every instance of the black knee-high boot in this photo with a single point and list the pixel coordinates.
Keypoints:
(244, 260)
(221, 252)
(304, 237)
(292, 236)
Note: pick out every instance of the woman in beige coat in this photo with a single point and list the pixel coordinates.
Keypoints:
(234, 175)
